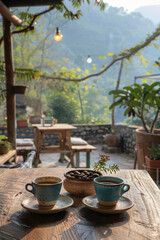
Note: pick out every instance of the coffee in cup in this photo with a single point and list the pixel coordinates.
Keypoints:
(45, 189)
(109, 189)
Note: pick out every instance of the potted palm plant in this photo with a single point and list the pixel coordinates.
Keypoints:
(140, 101)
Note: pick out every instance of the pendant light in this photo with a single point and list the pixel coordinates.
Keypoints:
(89, 59)
(58, 37)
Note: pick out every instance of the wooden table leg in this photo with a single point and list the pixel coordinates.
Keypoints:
(71, 155)
(62, 141)
(38, 142)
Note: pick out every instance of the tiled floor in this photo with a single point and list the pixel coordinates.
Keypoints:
(124, 161)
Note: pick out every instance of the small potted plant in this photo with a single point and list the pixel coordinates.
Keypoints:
(153, 160)
(22, 121)
(5, 145)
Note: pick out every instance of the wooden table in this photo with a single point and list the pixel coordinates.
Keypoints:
(78, 222)
(8, 156)
(63, 131)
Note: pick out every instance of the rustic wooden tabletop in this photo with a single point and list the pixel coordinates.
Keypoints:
(78, 222)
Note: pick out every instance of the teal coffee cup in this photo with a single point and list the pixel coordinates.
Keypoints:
(45, 189)
(109, 189)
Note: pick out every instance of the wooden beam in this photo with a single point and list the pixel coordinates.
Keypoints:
(11, 103)
(25, 3)
(8, 15)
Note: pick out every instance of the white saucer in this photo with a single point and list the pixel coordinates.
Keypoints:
(32, 205)
(122, 205)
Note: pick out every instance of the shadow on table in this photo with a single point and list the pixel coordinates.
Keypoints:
(22, 222)
(93, 225)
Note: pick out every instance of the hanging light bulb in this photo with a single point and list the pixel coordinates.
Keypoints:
(89, 59)
(58, 37)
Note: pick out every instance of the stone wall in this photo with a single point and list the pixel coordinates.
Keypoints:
(92, 133)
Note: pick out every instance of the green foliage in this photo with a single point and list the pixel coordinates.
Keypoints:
(62, 8)
(101, 165)
(22, 117)
(3, 137)
(27, 74)
(155, 152)
(139, 100)
(4, 142)
(63, 109)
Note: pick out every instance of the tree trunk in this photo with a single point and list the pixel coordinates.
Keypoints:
(117, 87)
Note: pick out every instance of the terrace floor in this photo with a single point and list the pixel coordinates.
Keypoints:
(124, 161)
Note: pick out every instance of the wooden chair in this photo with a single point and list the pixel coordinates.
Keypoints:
(27, 164)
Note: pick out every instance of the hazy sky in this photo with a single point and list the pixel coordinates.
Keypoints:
(130, 5)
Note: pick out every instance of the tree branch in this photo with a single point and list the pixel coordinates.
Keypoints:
(123, 55)
(155, 120)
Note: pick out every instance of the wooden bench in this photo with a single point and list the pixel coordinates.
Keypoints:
(8, 156)
(25, 146)
(27, 164)
(76, 149)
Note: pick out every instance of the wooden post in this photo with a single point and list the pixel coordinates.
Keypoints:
(8, 15)
(10, 100)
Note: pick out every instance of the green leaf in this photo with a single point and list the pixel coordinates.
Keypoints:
(110, 54)
(94, 69)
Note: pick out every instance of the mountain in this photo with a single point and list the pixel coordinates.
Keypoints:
(150, 12)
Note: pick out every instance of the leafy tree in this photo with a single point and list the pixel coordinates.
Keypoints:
(63, 109)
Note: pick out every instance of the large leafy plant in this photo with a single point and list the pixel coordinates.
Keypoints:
(139, 100)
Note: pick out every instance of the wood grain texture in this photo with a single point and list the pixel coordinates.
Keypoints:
(6, 157)
(78, 222)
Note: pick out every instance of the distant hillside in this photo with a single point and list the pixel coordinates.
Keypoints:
(96, 33)
(150, 12)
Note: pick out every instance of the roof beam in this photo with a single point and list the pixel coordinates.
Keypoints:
(25, 3)
(8, 15)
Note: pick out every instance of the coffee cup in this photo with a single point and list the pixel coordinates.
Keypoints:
(109, 189)
(45, 189)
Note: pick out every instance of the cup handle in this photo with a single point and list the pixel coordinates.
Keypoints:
(30, 190)
(125, 188)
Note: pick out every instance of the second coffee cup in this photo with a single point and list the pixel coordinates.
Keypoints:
(109, 189)
(45, 189)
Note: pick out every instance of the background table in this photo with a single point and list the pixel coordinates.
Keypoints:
(63, 131)
(77, 222)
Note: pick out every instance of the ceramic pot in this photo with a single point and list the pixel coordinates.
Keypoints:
(144, 141)
(152, 163)
(4, 150)
(80, 187)
(36, 119)
(19, 89)
(112, 140)
(22, 123)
